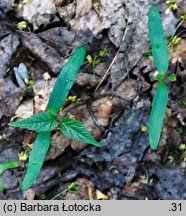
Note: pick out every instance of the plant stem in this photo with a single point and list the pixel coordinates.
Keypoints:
(173, 34)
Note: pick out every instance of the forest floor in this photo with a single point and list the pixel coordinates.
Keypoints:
(112, 97)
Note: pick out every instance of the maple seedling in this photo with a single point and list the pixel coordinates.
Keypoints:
(44, 122)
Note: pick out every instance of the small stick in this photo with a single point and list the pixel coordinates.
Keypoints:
(114, 59)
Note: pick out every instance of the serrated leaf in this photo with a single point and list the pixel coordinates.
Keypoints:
(8, 165)
(75, 130)
(65, 80)
(157, 114)
(158, 41)
(36, 159)
(43, 121)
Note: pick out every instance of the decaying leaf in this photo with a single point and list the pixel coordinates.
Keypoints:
(101, 196)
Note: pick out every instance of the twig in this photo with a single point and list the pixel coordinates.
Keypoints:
(114, 59)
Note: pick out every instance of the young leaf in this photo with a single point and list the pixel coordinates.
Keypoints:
(172, 77)
(8, 165)
(65, 80)
(158, 41)
(157, 114)
(75, 130)
(36, 159)
(4, 166)
(43, 121)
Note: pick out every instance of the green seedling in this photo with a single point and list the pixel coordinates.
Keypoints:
(174, 41)
(183, 17)
(72, 99)
(23, 156)
(172, 5)
(161, 61)
(3, 167)
(172, 77)
(44, 122)
(27, 1)
(22, 25)
(72, 188)
(42, 196)
(182, 147)
(96, 58)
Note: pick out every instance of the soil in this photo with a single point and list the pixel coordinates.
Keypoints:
(114, 99)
